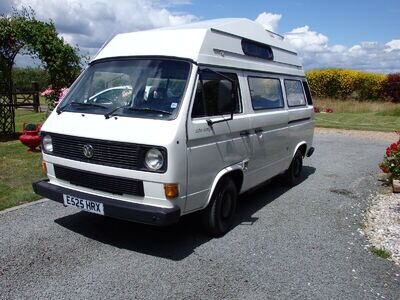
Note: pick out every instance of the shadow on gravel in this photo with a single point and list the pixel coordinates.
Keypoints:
(174, 242)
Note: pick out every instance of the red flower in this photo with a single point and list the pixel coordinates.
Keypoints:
(388, 152)
(384, 169)
(393, 147)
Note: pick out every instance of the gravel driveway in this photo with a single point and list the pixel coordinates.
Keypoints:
(287, 243)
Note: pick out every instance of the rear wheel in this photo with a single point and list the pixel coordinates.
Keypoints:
(293, 174)
(218, 216)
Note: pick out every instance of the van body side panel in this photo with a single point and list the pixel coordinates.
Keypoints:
(209, 150)
(301, 127)
(269, 143)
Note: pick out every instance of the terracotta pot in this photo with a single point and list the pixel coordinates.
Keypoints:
(31, 138)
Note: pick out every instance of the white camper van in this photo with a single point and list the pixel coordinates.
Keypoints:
(172, 121)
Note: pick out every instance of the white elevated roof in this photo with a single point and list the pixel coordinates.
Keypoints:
(213, 42)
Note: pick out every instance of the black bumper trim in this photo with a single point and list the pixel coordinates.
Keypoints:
(112, 207)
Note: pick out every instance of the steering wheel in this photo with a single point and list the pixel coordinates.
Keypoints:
(102, 100)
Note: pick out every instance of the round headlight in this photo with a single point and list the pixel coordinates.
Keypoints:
(154, 159)
(47, 144)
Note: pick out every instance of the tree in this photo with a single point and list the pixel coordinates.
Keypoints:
(21, 32)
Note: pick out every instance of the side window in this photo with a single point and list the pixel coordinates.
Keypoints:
(308, 93)
(266, 93)
(214, 95)
(294, 93)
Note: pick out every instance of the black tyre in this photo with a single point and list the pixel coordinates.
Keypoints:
(218, 216)
(293, 174)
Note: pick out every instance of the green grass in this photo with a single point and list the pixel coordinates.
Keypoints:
(381, 252)
(359, 115)
(393, 113)
(19, 168)
(359, 121)
(26, 116)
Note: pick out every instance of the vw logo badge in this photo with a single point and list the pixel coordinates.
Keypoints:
(88, 151)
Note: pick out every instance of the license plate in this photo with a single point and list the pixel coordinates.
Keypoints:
(87, 205)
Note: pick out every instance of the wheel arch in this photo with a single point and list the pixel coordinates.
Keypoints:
(235, 172)
(302, 146)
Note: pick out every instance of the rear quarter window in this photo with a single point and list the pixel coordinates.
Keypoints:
(266, 93)
(294, 93)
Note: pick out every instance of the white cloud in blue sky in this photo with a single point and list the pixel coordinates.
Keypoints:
(316, 52)
(90, 23)
(269, 20)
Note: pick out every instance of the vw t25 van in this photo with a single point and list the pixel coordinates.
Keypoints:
(167, 122)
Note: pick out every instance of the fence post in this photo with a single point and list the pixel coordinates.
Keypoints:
(36, 101)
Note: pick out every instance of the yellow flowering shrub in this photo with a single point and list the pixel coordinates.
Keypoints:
(345, 84)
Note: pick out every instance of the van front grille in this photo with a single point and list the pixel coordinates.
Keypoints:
(108, 153)
(96, 181)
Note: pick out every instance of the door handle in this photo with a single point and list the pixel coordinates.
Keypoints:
(244, 133)
(258, 130)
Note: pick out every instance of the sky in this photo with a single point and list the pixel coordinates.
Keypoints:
(362, 35)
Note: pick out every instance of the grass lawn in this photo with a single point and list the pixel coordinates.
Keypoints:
(376, 116)
(359, 121)
(19, 168)
(27, 116)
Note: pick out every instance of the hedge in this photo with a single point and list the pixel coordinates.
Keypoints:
(351, 84)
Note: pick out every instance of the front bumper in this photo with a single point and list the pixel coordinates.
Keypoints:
(140, 213)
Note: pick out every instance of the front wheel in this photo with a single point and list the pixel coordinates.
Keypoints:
(293, 174)
(218, 216)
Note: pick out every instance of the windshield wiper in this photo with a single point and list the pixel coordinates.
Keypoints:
(150, 110)
(110, 114)
(80, 104)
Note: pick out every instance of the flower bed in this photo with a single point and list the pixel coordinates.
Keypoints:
(391, 164)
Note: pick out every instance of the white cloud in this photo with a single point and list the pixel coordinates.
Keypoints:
(316, 53)
(392, 45)
(304, 39)
(270, 21)
(90, 23)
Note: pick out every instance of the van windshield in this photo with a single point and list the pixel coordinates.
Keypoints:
(146, 88)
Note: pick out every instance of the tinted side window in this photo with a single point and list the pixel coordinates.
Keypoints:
(214, 95)
(266, 93)
(308, 93)
(294, 93)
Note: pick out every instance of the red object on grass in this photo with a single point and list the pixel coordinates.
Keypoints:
(30, 136)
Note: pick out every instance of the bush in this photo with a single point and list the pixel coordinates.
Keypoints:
(345, 84)
(391, 161)
(23, 77)
(391, 88)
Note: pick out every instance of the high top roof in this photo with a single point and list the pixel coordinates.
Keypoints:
(211, 42)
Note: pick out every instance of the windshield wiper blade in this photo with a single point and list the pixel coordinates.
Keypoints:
(110, 114)
(80, 104)
(150, 110)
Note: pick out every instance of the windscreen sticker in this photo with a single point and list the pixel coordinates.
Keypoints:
(174, 105)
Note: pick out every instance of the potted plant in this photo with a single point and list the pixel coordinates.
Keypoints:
(30, 136)
(391, 165)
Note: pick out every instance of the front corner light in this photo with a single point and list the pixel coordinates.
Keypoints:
(47, 144)
(44, 167)
(171, 190)
(154, 159)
